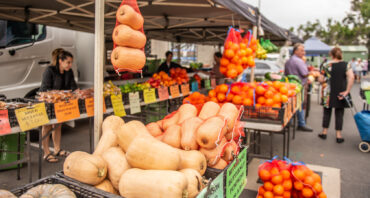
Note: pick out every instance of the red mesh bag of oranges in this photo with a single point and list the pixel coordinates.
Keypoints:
(276, 177)
(306, 183)
(231, 63)
(248, 47)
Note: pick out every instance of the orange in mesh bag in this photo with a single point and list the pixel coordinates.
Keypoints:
(128, 38)
(307, 184)
(230, 63)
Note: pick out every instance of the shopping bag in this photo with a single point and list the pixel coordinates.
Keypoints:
(362, 120)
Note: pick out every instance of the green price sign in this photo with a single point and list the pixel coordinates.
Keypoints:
(236, 175)
(207, 84)
(215, 189)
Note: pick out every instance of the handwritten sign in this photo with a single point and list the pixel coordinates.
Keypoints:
(89, 105)
(134, 102)
(163, 93)
(185, 89)
(175, 92)
(207, 84)
(4, 122)
(215, 188)
(236, 175)
(117, 104)
(29, 118)
(65, 111)
(149, 96)
(194, 86)
(213, 83)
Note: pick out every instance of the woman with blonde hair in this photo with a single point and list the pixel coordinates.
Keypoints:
(338, 76)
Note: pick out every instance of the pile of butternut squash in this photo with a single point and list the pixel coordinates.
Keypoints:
(129, 161)
(213, 131)
(129, 40)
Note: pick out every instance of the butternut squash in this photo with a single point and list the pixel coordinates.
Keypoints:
(231, 148)
(187, 111)
(129, 131)
(124, 36)
(112, 123)
(6, 194)
(159, 137)
(137, 183)
(172, 136)
(131, 59)
(195, 183)
(160, 124)
(154, 129)
(211, 132)
(209, 109)
(230, 113)
(49, 190)
(128, 16)
(193, 159)
(170, 120)
(146, 152)
(86, 168)
(188, 133)
(214, 155)
(221, 164)
(108, 139)
(106, 186)
(117, 164)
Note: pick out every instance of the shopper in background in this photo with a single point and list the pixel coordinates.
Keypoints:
(338, 76)
(352, 64)
(57, 77)
(358, 69)
(168, 64)
(296, 66)
(364, 67)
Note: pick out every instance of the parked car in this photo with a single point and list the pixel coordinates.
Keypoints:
(261, 68)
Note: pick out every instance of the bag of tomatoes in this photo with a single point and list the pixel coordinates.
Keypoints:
(276, 178)
(306, 183)
(230, 63)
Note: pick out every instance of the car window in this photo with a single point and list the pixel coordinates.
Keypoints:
(18, 33)
(262, 66)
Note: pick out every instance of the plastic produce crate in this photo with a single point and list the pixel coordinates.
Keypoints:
(80, 190)
(264, 114)
(10, 143)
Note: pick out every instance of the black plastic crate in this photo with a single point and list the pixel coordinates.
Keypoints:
(264, 114)
(50, 110)
(81, 106)
(108, 102)
(61, 175)
(81, 191)
(212, 173)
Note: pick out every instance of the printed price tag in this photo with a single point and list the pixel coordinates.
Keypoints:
(89, 105)
(175, 92)
(215, 188)
(236, 175)
(29, 118)
(134, 102)
(4, 122)
(65, 111)
(117, 104)
(213, 83)
(207, 84)
(149, 96)
(163, 93)
(194, 86)
(185, 89)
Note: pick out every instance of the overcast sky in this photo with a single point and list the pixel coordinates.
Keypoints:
(292, 13)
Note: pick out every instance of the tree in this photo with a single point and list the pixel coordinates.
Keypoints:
(354, 29)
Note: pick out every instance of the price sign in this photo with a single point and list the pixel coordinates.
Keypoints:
(236, 175)
(215, 189)
(149, 96)
(134, 102)
(117, 104)
(207, 84)
(65, 111)
(194, 86)
(89, 105)
(29, 118)
(185, 89)
(213, 83)
(175, 92)
(4, 122)
(163, 93)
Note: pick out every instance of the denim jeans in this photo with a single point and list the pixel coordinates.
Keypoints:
(301, 118)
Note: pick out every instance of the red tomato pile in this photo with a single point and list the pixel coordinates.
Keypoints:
(180, 76)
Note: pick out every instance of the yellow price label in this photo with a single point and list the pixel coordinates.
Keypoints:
(149, 96)
(32, 117)
(117, 104)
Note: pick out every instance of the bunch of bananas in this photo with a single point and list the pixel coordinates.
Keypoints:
(260, 52)
(110, 89)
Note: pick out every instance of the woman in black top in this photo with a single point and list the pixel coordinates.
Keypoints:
(338, 76)
(58, 77)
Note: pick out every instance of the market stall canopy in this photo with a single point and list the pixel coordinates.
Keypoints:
(195, 21)
(314, 47)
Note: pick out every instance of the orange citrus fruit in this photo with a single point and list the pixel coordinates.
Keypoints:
(285, 174)
(232, 73)
(224, 61)
(269, 94)
(287, 184)
(276, 84)
(221, 97)
(268, 186)
(287, 194)
(237, 100)
(235, 59)
(309, 180)
(251, 62)
(284, 98)
(242, 46)
(260, 90)
(264, 175)
(239, 69)
(235, 47)
(277, 179)
(322, 195)
(235, 89)
(269, 102)
(278, 190)
(248, 51)
(274, 171)
(223, 70)
(277, 98)
(268, 194)
(307, 193)
(316, 177)
(223, 88)
(298, 185)
(317, 187)
(214, 99)
(248, 102)
(229, 53)
(212, 93)
(299, 174)
(261, 100)
(229, 97)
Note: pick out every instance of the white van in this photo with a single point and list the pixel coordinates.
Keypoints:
(25, 52)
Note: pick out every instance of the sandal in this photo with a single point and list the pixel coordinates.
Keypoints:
(62, 153)
(51, 158)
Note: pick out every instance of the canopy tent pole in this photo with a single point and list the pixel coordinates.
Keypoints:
(98, 69)
(255, 37)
